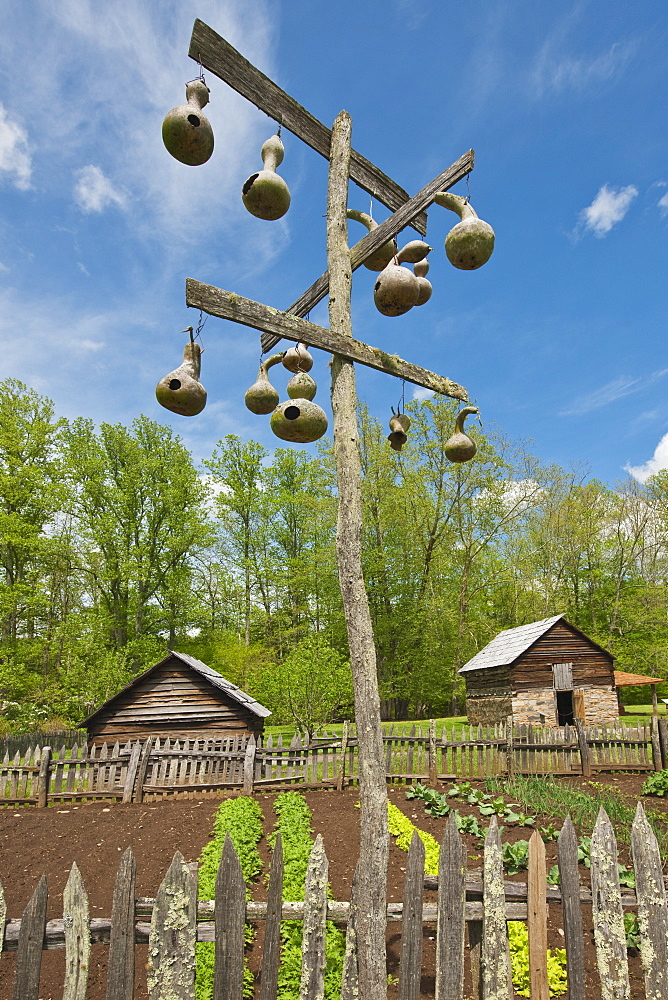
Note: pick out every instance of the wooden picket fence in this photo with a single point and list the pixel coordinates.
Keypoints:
(154, 768)
(174, 921)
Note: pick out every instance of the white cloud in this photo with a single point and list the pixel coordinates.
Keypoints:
(656, 463)
(15, 160)
(607, 209)
(625, 385)
(86, 344)
(420, 394)
(93, 191)
(618, 387)
(663, 204)
(560, 72)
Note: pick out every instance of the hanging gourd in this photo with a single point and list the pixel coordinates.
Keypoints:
(460, 447)
(399, 425)
(181, 391)
(397, 290)
(265, 194)
(421, 270)
(380, 258)
(186, 132)
(470, 243)
(262, 397)
(301, 386)
(299, 419)
(298, 359)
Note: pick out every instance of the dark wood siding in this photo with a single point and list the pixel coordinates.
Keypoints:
(561, 644)
(172, 700)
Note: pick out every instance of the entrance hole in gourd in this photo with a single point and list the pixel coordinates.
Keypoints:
(376, 286)
(249, 183)
(175, 384)
(194, 120)
(291, 412)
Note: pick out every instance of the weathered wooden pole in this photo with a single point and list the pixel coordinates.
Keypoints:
(372, 867)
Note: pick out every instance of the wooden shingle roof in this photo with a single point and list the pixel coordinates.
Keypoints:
(507, 646)
(212, 676)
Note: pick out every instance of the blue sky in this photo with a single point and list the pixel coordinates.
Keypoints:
(560, 338)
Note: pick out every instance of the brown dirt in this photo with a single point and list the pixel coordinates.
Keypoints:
(33, 842)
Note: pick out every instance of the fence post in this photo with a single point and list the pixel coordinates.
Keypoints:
(129, 786)
(142, 769)
(510, 752)
(44, 777)
(249, 766)
(431, 752)
(340, 781)
(585, 753)
(537, 918)
(663, 741)
(656, 744)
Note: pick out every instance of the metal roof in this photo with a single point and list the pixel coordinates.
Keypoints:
(211, 675)
(507, 646)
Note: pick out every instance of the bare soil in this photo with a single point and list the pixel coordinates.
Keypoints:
(33, 842)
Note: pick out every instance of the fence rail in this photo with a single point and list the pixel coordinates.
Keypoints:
(173, 922)
(155, 768)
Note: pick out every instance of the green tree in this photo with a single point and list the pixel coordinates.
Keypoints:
(311, 687)
(140, 511)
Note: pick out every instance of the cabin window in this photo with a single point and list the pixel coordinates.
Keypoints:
(565, 708)
(563, 676)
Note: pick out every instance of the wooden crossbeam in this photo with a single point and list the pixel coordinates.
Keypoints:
(220, 58)
(228, 305)
(384, 232)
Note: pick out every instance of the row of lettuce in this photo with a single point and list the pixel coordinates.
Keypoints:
(242, 819)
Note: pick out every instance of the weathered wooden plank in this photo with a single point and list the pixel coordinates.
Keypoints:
(585, 752)
(171, 957)
(609, 931)
(537, 922)
(249, 766)
(227, 305)
(652, 911)
(475, 958)
(76, 919)
(3, 914)
(656, 744)
(450, 925)
(341, 765)
(312, 983)
(271, 951)
(121, 963)
(411, 927)
(230, 909)
(143, 768)
(131, 775)
(43, 778)
(29, 951)
(495, 956)
(217, 55)
(569, 881)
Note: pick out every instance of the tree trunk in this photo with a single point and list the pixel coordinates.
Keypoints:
(372, 867)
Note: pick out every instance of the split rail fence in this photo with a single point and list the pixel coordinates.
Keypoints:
(174, 921)
(155, 768)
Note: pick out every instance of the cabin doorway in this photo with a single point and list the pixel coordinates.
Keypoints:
(565, 708)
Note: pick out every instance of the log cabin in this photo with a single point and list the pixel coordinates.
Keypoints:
(180, 698)
(548, 671)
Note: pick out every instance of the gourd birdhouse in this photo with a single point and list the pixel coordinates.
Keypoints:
(265, 194)
(399, 425)
(298, 359)
(421, 270)
(181, 390)
(299, 420)
(397, 289)
(470, 243)
(460, 447)
(262, 398)
(186, 132)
